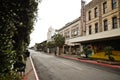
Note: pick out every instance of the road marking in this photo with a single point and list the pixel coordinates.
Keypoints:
(36, 75)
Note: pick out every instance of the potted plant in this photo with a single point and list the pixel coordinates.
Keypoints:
(108, 52)
(86, 51)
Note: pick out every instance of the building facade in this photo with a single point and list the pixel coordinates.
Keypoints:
(50, 33)
(102, 27)
(103, 23)
(70, 31)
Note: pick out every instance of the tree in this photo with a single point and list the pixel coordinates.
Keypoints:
(44, 46)
(38, 46)
(25, 11)
(17, 18)
(51, 44)
(59, 40)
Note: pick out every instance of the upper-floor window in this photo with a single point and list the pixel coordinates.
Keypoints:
(105, 25)
(75, 32)
(114, 4)
(96, 27)
(104, 7)
(90, 30)
(114, 22)
(96, 12)
(67, 34)
(89, 15)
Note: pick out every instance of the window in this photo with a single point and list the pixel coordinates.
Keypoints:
(96, 28)
(75, 32)
(114, 4)
(104, 7)
(114, 22)
(89, 15)
(96, 12)
(67, 35)
(90, 30)
(105, 25)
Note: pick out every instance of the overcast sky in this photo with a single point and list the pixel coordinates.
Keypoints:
(55, 14)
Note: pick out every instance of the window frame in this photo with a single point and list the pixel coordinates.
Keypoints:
(96, 27)
(114, 22)
(105, 25)
(95, 12)
(104, 7)
(90, 29)
(114, 4)
(89, 15)
(75, 32)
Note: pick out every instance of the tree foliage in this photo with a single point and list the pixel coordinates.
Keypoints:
(17, 18)
(51, 44)
(41, 46)
(59, 40)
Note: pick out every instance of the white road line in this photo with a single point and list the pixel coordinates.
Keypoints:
(36, 75)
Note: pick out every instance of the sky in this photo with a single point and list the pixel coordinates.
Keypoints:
(55, 14)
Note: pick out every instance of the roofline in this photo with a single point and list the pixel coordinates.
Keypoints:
(70, 23)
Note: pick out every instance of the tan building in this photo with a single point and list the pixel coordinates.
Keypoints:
(70, 31)
(102, 26)
(103, 23)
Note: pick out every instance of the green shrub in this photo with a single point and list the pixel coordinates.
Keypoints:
(10, 76)
(108, 52)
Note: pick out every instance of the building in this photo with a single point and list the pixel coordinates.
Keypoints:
(70, 31)
(103, 24)
(50, 33)
(101, 29)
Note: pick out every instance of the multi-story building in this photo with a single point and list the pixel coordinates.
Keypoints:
(102, 27)
(103, 23)
(70, 31)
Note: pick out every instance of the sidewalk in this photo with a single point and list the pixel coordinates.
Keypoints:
(30, 73)
(75, 57)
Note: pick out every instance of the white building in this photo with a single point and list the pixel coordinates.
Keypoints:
(50, 33)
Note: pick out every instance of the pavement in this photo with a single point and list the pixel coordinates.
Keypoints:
(96, 62)
(30, 72)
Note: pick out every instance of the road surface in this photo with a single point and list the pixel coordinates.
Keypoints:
(50, 67)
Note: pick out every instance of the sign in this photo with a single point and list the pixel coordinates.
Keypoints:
(83, 17)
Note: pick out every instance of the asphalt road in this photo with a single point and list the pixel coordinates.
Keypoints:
(50, 67)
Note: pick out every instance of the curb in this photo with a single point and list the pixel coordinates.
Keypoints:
(36, 75)
(92, 62)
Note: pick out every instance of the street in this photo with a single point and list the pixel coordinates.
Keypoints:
(50, 67)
